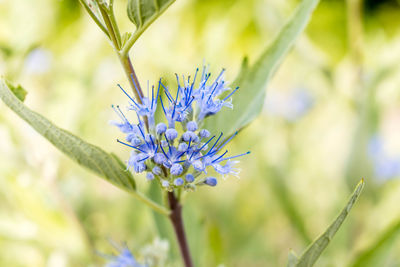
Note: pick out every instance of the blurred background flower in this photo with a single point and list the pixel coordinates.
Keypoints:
(290, 106)
(386, 166)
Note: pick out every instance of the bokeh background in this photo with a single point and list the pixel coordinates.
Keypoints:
(331, 117)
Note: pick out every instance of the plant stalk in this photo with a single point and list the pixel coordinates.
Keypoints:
(132, 78)
(177, 223)
(113, 32)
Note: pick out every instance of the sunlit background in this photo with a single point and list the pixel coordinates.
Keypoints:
(331, 117)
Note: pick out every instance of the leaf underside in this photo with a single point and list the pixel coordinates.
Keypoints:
(106, 165)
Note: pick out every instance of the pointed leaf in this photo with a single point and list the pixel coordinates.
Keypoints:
(107, 166)
(313, 252)
(249, 99)
(292, 259)
(143, 12)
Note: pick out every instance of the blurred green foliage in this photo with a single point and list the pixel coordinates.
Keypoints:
(53, 213)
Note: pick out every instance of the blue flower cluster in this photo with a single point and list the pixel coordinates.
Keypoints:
(124, 259)
(177, 151)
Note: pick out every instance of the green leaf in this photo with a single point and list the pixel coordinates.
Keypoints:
(292, 259)
(143, 13)
(313, 252)
(285, 199)
(18, 90)
(125, 37)
(252, 80)
(107, 166)
(376, 253)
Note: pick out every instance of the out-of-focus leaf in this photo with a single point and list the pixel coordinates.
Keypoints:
(313, 252)
(18, 91)
(249, 99)
(215, 242)
(368, 116)
(6, 50)
(280, 188)
(143, 12)
(162, 224)
(106, 165)
(374, 254)
(292, 259)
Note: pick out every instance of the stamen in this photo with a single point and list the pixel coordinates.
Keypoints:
(131, 146)
(227, 141)
(152, 96)
(137, 89)
(214, 144)
(177, 80)
(140, 129)
(169, 147)
(176, 100)
(206, 78)
(219, 76)
(195, 152)
(194, 80)
(215, 87)
(167, 92)
(143, 159)
(128, 95)
(119, 114)
(219, 157)
(188, 105)
(162, 149)
(162, 105)
(244, 154)
(231, 94)
(123, 115)
(151, 139)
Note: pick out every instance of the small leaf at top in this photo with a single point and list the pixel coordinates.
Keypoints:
(125, 37)
(18, 91)
(143, 12)
(251, 80)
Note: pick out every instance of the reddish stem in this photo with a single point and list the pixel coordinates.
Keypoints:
(177, 223)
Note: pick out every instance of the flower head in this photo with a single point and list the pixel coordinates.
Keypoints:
(173, 157)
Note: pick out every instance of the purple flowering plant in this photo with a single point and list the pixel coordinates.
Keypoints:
(187, 147)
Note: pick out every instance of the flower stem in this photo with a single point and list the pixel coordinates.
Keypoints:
(113, 32)
(132, 78)
(177, 223)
